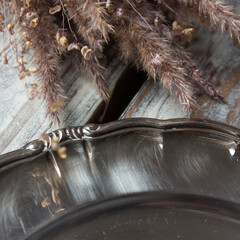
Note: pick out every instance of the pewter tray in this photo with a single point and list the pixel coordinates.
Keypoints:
(129, 179)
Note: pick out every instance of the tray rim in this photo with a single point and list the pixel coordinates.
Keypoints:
(142, 200)
(92, 130)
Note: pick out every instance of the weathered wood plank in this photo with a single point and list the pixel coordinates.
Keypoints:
(155, 102)
(23, 120)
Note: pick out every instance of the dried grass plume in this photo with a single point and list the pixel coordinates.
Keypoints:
(150, 34)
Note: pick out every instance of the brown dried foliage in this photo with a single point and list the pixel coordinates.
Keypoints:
(148, 33)
(44, 50)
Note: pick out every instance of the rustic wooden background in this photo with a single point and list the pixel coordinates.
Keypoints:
(22, 120)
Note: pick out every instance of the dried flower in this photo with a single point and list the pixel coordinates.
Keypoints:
(60, 209)
(24, 73)
(5, 60)
(10, 28)
(86, 52)
(33, 69)
(62, 152)
(34, 86)
(145, 32)
(63, 41)
(55, 9)
(55, 144)
(1, 17)
(34, 22)
(46, 202)
(31, 95)
(29, 43)
(73, 46)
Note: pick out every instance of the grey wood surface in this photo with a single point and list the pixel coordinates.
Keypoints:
(23, 120)
(155, 102)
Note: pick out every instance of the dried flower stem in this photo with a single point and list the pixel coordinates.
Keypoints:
(43, 38)
(155, 55)
(93, 68)
(93, 27)
(146, 31)
(195, 73)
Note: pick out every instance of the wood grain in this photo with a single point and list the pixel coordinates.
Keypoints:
(23, 120)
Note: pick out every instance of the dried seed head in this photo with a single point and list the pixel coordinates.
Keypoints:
(23, 9)
(55, 9)
(25, 34)
(189, 34)
(174, 25)
(34, 86)
(55, 144)
(46, 202)
(10, 27)
(29, 43)
(30, 15)
(54, 107)
(86, 52)
(34, 22)
(5, 60)
(138, 1)
(60, 209)
(63, 41)
(24, 73)
(22, 61)
(1, 16)
(31, 95)
(62, 152)
(33, 69)
(84, 49)
(73, 46)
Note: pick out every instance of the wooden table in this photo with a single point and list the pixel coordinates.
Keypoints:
(23, 120)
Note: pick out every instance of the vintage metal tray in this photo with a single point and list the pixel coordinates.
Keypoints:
(129, 179)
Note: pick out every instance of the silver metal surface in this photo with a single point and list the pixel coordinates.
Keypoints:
(116, 160)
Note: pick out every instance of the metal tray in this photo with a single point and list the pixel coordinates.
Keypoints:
(129, 179)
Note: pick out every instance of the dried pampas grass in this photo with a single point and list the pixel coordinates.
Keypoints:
(150, 34)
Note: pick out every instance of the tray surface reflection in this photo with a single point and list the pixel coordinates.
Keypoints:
(136, 178)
